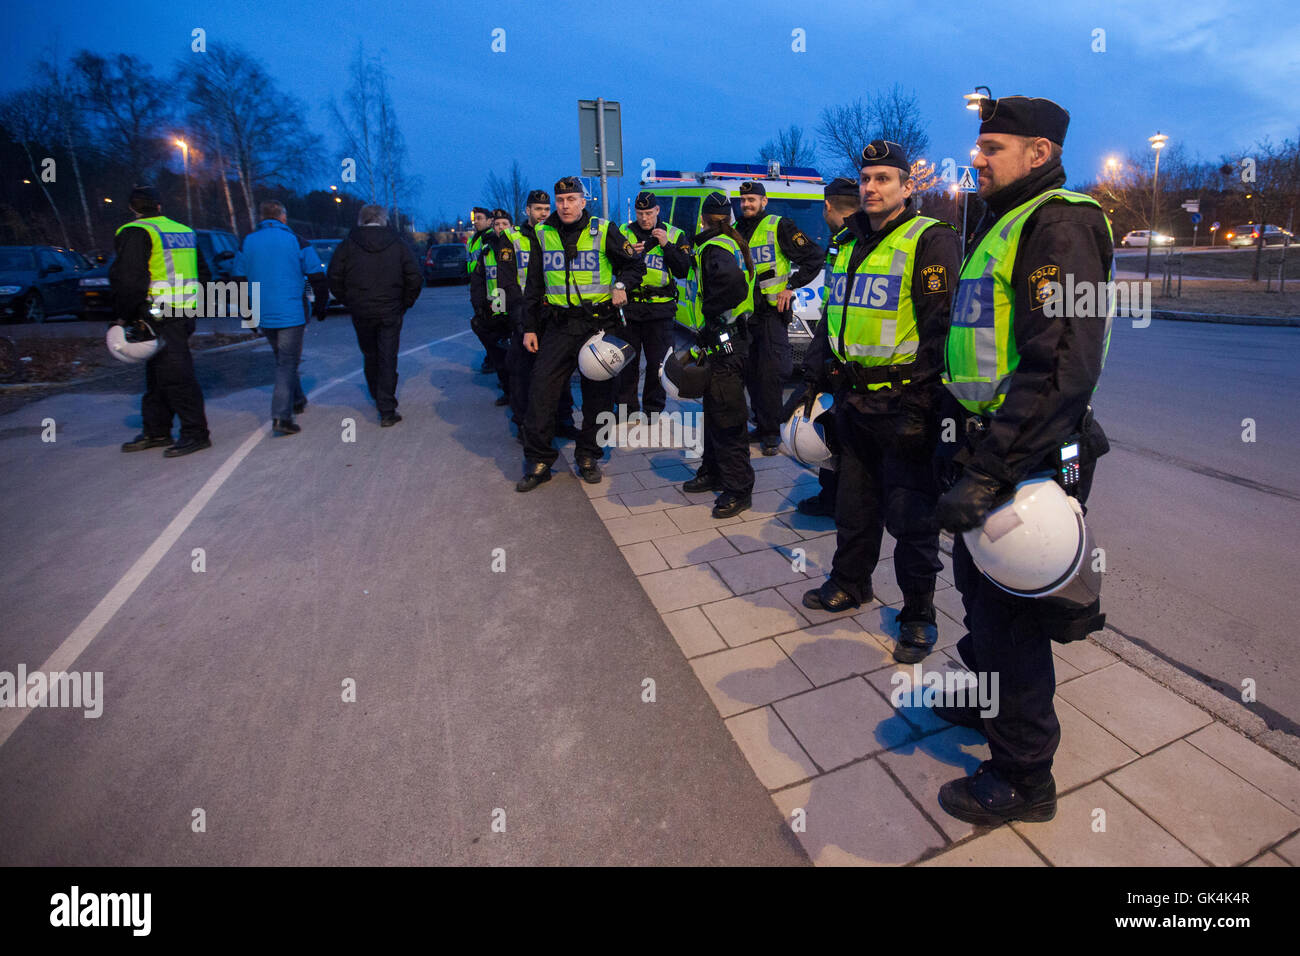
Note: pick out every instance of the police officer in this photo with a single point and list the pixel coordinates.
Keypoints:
(720, 313)
(495, 293)
(887, 312)
(482, 218)
(1020, 381)
(786, 259)
(519, 360)
(840, 200)
(652, 306)
(579, 271)
(157, 273)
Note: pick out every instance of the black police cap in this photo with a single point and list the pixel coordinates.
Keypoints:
(646, 200)
(500, 214)
(539, 196)
(146, 194)
(482, 211)
(569, 184)
(752, 189)
(881, 152)
(716, 203)
(839, 186)
(1025, 116)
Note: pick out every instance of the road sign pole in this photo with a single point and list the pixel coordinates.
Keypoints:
(965, 199)
(600, 154)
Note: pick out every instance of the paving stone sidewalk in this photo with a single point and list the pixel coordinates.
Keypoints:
(1144, 777)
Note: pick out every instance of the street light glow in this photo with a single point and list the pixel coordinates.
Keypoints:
(1158, 141)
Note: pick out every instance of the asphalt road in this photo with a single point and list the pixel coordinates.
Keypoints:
(327, 561)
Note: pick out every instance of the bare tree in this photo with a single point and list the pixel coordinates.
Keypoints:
(368, 125)
(27, 122)
(892, 114)
(260, 130)
(791, 147)
(129, 102)
(509, 192)
(62, 100)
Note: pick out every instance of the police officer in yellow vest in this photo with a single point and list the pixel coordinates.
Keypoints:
(156, 275)
(720, 315)
(518, 359)
(579, 271)
(887, 310)
(1020, 377)
(652, 305)
(482, 219)
(786, 259)
(495, 293)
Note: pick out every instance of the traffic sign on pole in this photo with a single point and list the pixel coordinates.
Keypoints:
(1196, 218)
(967, 181)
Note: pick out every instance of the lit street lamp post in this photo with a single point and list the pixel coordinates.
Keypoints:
(185, 154)
(1157, 143)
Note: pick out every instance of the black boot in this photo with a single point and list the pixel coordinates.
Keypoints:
(588, 471)
(703, 481)
(535, 473)
(917, 631)
(988, 799)
(729, 505)
(831, 597)
(142, 442)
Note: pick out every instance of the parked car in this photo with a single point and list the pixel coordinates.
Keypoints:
(218, 249)
(37, 282)
(1248, 235)
(1138, 237)
(96, 298)
(446, 262)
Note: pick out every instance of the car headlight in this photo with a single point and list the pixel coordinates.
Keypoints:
(10, 289)
(98, 281)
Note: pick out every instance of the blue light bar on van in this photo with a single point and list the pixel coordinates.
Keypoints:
(757, 171)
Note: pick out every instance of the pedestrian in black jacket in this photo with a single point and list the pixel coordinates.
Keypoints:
(375, 275)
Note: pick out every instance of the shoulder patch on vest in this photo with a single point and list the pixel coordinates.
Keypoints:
(1040, 285)
(936, 279)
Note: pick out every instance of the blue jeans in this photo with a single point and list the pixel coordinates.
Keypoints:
(287, 346)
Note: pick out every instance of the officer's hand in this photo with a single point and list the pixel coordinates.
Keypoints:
(783, 299)
(968, 503)
(530, 341)
(661, 234)
(639, 247)
(619, 298)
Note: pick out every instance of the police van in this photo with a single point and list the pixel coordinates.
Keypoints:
(795, 192)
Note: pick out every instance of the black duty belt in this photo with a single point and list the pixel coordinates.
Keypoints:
(861, 376)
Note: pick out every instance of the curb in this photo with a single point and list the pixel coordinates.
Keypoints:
(1274, 320)
(19, 386)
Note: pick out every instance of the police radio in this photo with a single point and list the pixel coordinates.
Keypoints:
(1067, 464)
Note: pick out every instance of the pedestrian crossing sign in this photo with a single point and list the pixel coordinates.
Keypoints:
(967, 181)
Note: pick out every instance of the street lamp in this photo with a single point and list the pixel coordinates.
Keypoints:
(973, 100)
(185, 154)
(1157, 143)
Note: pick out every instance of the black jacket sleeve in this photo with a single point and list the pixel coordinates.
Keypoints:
(934, 280)
(629, 268)
(337, 273)
(535, 287)
(677, 256)
(722, 284)
(412, 280)
(128, 276)
(1060, 358)
(508, 279)
(478, 283)
(808, 258)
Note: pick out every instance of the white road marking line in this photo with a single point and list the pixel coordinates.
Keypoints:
(66, 654)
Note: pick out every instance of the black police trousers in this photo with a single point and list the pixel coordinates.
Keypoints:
(556, 360)
(726, 441)
(882, 486)
(770, 362)
(378, 337)
(170, 386)
(649, 329)
(519, 364)
(494, 331)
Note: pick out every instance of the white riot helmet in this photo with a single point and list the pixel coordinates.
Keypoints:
(133, 343)
(685, 375)
(602, 357)
(808, 439)
(1037, 546)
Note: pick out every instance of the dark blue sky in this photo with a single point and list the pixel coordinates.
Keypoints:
(701, 81)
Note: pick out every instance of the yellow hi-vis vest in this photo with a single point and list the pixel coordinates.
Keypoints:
(736, 313)
(766, 252)
(173, 263)
(523, 251)
(981, 352)
(587, 278)
(471, 248)
(870, 315)
(658, 284)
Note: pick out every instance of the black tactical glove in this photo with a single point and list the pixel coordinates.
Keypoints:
(969, 502)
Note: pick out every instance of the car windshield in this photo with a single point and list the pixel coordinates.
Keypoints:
(15, 260)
